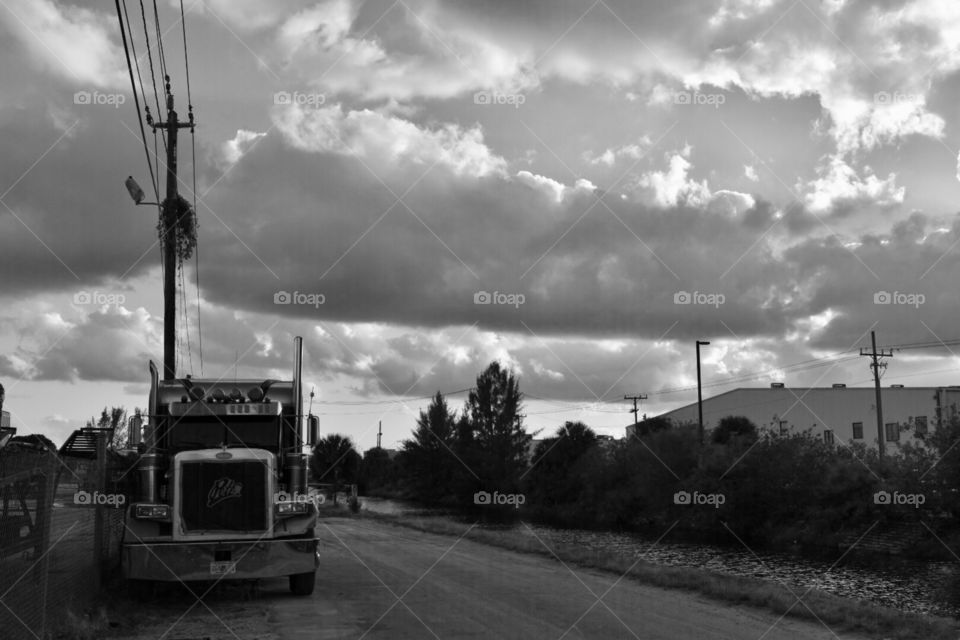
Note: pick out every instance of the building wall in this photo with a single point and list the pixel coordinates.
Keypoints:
(823, 409)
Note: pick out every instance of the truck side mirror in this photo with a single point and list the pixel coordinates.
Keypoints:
(313, 430)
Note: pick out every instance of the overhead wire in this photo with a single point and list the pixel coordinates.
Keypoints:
(136, 100)
(193, 167)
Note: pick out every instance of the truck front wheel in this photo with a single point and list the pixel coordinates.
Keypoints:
(301, 584)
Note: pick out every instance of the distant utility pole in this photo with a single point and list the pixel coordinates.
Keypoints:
(379, 433)
(699, 391)
(169, 239)
(634, 411)
(876, 365)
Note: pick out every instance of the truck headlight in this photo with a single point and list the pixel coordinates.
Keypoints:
(151, 511)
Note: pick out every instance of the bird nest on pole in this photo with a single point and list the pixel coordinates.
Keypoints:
(184, 228)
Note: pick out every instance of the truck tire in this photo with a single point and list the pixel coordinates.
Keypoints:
(301, 584)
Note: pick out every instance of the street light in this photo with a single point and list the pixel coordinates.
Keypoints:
(699, 390)
(135, 191)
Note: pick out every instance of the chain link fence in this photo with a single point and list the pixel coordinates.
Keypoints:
(61, 521)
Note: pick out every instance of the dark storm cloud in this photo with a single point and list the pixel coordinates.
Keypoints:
(70, 222)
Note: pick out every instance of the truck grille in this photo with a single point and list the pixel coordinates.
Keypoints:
(229, 496)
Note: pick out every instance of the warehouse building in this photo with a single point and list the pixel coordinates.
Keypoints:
(837, 413)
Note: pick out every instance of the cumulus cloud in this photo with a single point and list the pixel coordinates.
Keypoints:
(232, 150)
(73, 42)
(673, 187)
(838, 189)
(387, 139)
(632, 151)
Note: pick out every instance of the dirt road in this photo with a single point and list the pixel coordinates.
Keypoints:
(381, 581)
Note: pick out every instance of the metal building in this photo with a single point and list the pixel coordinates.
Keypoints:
(837, 413)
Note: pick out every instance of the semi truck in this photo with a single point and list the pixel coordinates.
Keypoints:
(221, 490)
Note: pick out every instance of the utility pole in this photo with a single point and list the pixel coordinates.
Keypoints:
(876, 365)
(169, 239)
(700, 392)
(379, 433)
(634, 411)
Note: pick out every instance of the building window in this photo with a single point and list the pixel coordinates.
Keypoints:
(921, 422)
(858, 431)
(828, 436)
(892, 432)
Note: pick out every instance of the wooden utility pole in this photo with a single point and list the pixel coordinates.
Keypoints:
(169, 234)
(635, 410)
(379, 432)
(700, 392)
(876, 365)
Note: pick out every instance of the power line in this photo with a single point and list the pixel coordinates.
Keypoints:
(378, 402)
(136, 100)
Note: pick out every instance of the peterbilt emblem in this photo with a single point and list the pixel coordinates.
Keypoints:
(224, 489)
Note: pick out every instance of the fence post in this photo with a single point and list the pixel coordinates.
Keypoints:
(98, 518)
(42, 519)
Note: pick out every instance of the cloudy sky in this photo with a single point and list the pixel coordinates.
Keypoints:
(614, 179)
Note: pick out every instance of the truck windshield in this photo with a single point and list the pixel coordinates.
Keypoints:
(210, 433)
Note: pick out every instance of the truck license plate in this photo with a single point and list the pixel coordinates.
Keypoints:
(222, 568)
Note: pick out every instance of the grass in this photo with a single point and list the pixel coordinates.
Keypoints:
(841, 614)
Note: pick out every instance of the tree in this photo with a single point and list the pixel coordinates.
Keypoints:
(495, 429)
(429, 458)
(114, 418)
(335, 461)
(376, 471)
(653, 425)
(732, 427)
(550, 480)
(945, 475)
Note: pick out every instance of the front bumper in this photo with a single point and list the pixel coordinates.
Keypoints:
(176, 561)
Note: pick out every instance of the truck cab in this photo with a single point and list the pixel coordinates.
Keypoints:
(222, 484)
